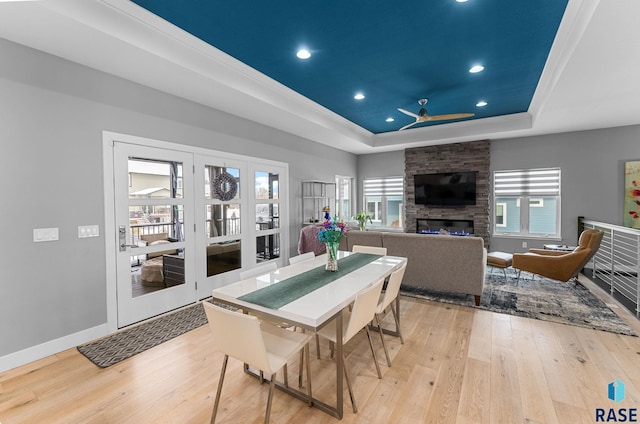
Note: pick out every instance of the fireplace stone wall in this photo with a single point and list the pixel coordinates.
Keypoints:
(470, 156)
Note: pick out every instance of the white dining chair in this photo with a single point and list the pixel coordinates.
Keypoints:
(358, 248)
(362, 313)
(302, 257)
(263, 346)
(386, 300)
(259, 270)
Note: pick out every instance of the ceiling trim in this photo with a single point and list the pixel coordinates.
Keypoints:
(574, 23)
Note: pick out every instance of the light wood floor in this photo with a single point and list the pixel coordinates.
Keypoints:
(459, 365)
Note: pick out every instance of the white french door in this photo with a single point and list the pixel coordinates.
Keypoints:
(154, 221)
(221, 221)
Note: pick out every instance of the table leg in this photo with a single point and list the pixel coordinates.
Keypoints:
(339, 367)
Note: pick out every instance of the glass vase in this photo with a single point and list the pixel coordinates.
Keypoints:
(332, 256)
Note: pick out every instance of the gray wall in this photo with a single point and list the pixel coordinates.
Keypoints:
(592, 164)
(389, 164)
(52, 115)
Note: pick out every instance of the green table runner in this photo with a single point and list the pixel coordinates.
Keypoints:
(293, 288)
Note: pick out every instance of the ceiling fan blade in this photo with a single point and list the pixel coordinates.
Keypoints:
(406, 112)
(408, 125)
(449, 116)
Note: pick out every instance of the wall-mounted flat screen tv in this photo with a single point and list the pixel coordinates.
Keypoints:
(447, 189)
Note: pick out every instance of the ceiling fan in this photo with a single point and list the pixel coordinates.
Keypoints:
(422, 115)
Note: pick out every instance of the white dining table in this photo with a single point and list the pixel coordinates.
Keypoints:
(315, 309)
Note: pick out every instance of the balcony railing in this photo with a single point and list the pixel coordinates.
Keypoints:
(617, 262)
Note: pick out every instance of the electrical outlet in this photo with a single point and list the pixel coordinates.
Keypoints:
(524, 244)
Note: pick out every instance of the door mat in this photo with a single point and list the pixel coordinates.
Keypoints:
(131, 341)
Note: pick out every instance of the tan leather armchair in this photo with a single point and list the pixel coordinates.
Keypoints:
(562, 266)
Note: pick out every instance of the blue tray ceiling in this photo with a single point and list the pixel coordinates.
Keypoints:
(392, 52)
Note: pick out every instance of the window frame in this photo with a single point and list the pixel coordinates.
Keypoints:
(384, 187)
(529, 187)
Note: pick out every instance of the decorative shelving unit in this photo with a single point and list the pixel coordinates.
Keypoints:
(316, 195)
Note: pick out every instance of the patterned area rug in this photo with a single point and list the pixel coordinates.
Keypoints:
(126, 343)
(542, 298)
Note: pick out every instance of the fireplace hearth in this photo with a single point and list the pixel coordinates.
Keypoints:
(455, 227)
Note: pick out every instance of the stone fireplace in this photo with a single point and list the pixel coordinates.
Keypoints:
(456, 157)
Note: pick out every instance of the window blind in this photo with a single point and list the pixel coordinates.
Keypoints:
(529, 182)
(388, 186)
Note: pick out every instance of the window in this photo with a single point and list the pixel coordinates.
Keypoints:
(343, 198)
(384, 201)
(539, 191)
(501, 214)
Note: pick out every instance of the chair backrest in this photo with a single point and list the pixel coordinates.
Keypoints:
(302, 257)
(238, 335)
(393, 288)
(364, 308)
(589, 240)
(259, 270)
(358, 248)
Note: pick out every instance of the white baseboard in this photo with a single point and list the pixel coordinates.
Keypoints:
(52, 347)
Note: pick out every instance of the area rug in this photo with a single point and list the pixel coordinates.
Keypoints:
(126, 343)
(541, 298)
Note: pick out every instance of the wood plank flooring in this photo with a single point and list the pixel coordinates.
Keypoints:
(458, 365)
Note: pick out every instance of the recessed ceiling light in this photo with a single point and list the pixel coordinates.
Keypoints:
(303, 54)
(389, 119)
(476, 68)
(481, 103)
(359, 96)
(461, 1)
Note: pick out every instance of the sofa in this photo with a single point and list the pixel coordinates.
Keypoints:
(439, 262)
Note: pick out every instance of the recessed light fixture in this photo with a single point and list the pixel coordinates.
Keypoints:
(358, 96)
(461, 1)
(303, 54)
(389, 119)
(481, 103)
(476, 68)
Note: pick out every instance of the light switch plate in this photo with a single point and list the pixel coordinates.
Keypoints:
(45, 234)
(85, 231)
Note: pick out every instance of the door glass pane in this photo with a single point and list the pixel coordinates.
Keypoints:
(149, 223)
(156, 271)
(267, 217)
(223, 257)
(267, 247)
(222, 220)
(150, 179)
(221, 183)
(267, 185)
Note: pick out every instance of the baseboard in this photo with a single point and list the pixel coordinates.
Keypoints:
(52, 347)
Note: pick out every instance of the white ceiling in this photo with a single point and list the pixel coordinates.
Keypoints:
(590, 80)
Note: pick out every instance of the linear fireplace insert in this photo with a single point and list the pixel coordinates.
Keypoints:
(455, 227)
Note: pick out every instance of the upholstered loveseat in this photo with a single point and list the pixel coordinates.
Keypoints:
(440, 262)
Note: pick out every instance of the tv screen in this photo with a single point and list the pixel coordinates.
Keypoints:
(448, 189)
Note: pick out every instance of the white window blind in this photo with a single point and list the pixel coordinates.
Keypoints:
(529, 182)
(387, 186)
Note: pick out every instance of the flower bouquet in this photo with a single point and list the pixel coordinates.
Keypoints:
(330, 235)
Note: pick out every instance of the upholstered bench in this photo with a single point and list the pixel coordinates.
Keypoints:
(500, 260)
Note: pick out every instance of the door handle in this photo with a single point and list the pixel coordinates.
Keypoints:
(122, 238)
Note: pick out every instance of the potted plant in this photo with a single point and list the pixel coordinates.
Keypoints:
(362, 219)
